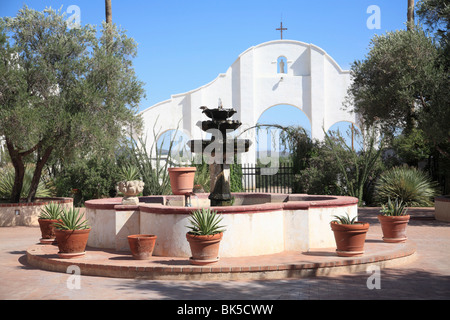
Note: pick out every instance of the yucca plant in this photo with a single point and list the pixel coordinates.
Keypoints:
(129, 173)
(71, 219)
(397, 208)
(51, 211)
(410, 185)
(205, 222)
(7, 183)
(345, 219)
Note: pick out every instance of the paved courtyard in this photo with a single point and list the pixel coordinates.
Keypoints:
(426, 277)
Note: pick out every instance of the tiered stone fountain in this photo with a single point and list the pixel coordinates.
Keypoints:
(222, 151)
(294, 222)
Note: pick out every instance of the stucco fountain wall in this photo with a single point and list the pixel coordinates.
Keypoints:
(27, 214)
(256, 224)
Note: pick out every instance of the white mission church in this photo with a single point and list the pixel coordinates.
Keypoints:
(280, 72)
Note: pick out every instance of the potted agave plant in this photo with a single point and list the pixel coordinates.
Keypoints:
(130, 185)
(393, 220)
(50, 214)
(72, 234)
(350, 235)
(204, 236)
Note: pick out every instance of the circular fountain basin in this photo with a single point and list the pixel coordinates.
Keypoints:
(256, 224)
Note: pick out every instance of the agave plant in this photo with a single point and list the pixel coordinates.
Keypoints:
(129, 173)
(205, 222)
(345, 219)
(397, 208)
(51, 211)
(409, 185)
(71, 219)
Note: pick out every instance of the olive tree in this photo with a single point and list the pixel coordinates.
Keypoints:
(62, 90)
(403, 84)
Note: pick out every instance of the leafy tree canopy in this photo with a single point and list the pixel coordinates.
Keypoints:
(63, 91)
(403, 84)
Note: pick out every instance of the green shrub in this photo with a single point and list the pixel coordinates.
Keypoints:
(410, 185)
(94, 178)
(236, 178)
(202, 176)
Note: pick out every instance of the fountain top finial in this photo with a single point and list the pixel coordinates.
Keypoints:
(220, 106)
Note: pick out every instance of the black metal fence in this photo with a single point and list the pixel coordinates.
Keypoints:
(274, 180)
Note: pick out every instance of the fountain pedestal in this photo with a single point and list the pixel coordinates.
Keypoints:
(220, 185)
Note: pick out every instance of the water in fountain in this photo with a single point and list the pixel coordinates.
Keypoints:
(221, 150)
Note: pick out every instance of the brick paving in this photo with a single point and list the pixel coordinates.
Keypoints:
(427, 277)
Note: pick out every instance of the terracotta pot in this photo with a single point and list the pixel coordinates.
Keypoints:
(394, 228)
(204, 249)
(350, 238)
(182, 180)
(71, 243)
(142, 245)
(47, 230)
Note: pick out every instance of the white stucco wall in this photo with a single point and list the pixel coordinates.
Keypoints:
(313, 82)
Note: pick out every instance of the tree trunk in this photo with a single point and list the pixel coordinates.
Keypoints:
(41, 161)
(108, 11)
(410, 21)
(19, 172)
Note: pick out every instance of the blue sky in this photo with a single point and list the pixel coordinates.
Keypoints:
(183, 45)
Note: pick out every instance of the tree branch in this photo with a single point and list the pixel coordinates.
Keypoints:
(30, 151)
(443, 152)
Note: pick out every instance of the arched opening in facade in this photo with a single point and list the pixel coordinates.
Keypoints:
(269, 142)
(172, 144)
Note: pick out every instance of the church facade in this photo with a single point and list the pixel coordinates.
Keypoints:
(281, 72)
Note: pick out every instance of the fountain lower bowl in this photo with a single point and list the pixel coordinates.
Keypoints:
(256, 224)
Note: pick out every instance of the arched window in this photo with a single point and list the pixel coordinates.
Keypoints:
(282, 64)
(173, 144)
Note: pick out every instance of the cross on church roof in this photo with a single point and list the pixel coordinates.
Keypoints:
(281, 29)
